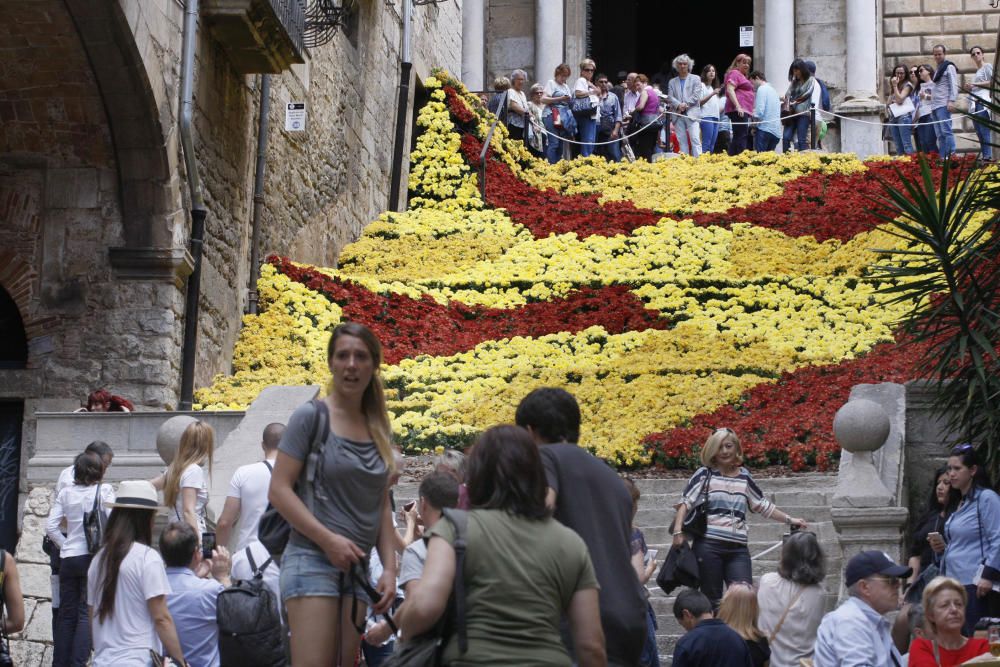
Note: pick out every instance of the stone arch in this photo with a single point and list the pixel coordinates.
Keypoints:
(19, 280)
(13, 338)
(140, 146)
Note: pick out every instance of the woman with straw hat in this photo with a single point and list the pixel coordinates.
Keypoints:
(127, 585)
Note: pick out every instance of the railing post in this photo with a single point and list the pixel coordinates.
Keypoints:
(812, 125)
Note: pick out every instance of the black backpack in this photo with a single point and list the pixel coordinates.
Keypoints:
(250, 631)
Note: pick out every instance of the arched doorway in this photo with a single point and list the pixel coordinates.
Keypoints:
(641, 35)
(13, 356)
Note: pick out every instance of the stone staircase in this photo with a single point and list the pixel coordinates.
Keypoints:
(802, 495)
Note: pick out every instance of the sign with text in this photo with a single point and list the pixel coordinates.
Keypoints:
(295, 117)
(746, 35)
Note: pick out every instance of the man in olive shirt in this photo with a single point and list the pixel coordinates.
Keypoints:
(589, 497)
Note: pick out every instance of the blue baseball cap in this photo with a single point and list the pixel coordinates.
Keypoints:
(870, 563)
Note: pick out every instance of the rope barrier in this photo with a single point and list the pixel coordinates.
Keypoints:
(719, 122)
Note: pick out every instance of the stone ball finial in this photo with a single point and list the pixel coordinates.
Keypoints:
(168, 436)
(861, 426)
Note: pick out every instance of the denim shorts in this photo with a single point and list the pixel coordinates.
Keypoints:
(307, 572)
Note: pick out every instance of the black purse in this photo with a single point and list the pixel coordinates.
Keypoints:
(93, 524)
(696, 520)
(273, 531)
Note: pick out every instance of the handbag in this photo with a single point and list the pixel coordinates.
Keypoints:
(427, 650)
(696, 521)
(5, 659)
(273, 531)
(93, 524)
(583, 106)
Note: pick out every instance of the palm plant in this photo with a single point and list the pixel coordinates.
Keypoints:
(949, 274)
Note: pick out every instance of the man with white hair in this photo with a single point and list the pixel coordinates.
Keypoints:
(684, 93)
(857, 633)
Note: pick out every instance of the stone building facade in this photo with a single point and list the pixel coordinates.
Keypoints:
(854, 43)
(94, 199)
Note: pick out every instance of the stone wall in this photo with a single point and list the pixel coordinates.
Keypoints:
(911, 28)
(33, 646)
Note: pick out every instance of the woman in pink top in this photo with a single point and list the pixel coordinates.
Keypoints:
(739, 102)
(648, 108)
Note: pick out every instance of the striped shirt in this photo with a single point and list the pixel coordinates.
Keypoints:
(729, 498)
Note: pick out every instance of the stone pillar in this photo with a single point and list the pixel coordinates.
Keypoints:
(474, 44)
(864, 511)
(549, 34)
(779, 41)
(860, 131)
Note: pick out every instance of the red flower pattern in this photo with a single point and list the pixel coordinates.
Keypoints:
(409, 327)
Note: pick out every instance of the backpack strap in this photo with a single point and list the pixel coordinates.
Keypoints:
(321, 425)
(460, 520)
(270, 468)
(257, 572)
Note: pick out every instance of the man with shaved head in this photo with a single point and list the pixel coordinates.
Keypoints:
(247, 497)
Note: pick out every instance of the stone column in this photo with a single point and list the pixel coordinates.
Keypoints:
(862, 103)
(779, 41)
(865, 511)
(474, 44)
(549, 35)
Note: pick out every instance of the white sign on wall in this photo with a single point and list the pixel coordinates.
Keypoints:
(746, 35)
(295, 117)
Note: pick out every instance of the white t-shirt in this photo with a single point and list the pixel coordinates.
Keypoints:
(241, 569)
(193, 477)
(250, 484)
(797, 634)
(712, 108)
(412, 565)
(70, 504)
(554, 89)
(66, 478)
(125, 638)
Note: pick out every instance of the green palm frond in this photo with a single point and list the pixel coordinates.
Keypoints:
(949, 272)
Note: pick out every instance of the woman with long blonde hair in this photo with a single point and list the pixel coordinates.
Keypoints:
(184, 484)
(323, 565)
(739, 611)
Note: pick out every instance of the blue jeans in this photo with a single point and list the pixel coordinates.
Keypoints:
(612, 151)
(650, 653)
(926, 139)
(799, 129)
(982, 130)
(720, 561)
(901, 128)
(554, 147)
(709, 133)
(376, 655)
(943, 132)
(764, 142)
(587, 133)
(72, 628)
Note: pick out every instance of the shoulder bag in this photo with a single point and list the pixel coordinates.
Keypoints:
(427, 650)
(696, 520)
(274, 530)
(784, 615)
(93, 524)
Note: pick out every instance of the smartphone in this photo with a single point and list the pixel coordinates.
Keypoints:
(650, 556)
(207, 544)
(794, 528)
(935, 535)
(409, 506)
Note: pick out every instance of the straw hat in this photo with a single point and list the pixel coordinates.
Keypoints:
(137, 495)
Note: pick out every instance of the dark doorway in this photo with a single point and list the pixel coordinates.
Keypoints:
(640, 35)
(13, 355)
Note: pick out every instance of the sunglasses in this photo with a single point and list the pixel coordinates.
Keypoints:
(725, 429)
(588, 69)
(961, 449)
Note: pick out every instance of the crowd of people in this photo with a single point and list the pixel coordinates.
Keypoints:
(524, 551)
(679, 111)
(921, 98)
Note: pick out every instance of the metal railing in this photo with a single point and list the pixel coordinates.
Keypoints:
(291, 15)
